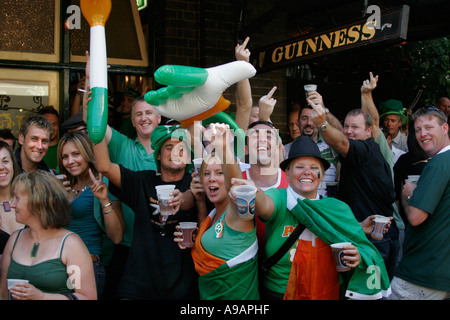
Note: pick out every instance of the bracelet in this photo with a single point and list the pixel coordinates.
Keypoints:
(107, 205)
(105, 213)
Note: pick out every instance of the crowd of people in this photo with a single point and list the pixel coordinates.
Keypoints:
(83, 221)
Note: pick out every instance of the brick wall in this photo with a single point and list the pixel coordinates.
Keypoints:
(203, 33)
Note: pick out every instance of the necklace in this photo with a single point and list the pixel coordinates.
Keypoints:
(218, 229)
(6, 206)
(34, 250)
(82, 189)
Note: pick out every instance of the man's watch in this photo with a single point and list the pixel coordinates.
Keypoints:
(323, 127)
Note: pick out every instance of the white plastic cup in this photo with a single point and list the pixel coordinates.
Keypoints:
(197, 164)
(338, 254)
(245, 200)
(413, 178)
(163, 193)
(12, 283)
(378, 229)
(309, 88)
(165, 189)
(60, 177)
(188, 229)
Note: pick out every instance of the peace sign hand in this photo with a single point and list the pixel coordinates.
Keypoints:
(98, 187)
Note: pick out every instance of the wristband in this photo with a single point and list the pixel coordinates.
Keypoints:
(107, 205)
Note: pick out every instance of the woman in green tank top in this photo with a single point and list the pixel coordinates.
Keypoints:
(226, 246)
(55, 262)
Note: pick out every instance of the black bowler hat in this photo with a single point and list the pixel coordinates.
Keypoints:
(73, 122)
(304, 146)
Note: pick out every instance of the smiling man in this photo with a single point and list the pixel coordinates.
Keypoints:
(34, 140)
(366, 183)
(155, 268)
(423, 272)
(308, 128)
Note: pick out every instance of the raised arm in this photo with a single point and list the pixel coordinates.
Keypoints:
(334, 137)
(266, 105)
(243, 91)
(104, 164)
(331, 119)
(367, 104)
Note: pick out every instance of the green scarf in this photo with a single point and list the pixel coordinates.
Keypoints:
(333, 221)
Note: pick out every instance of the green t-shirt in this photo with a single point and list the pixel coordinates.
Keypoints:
(426, 257)
(231, 244)
(278, 229)
(132, 155)
(51, 157)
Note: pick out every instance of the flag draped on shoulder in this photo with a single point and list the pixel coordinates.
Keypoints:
(333, 221)
(236, 279)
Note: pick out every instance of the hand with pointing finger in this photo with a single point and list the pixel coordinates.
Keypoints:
(241, 51)
(318, 113)
(266, 105)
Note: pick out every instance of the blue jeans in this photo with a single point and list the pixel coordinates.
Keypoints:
(389, 249)
(100, 276)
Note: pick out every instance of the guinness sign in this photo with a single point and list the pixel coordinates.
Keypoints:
(391, 25)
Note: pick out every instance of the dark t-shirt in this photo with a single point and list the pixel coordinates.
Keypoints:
(366, 183)
(402, 168)
(156, 267)
(4, 236)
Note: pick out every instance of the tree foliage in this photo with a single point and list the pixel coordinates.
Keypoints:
(430, 67)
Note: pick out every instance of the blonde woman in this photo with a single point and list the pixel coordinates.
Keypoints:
(94, 211)
(223, 236)
(44, 252)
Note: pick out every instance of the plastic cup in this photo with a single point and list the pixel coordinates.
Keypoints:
(197, 164)
(165, 189)
(188, 229)
(309, 88)
(12, 283)
(245, 200)
(378, 229)
(332, 189)
(163, 193)
(413, 178)
(338, 254)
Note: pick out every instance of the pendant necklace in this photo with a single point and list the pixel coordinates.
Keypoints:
(218, 229)
(34, 250)
(6, 206)
(77, 192)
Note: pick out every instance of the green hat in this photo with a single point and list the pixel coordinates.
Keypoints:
(239, 134)
(393, 106)
(160, 134)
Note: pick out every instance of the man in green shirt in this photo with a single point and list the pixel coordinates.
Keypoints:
(423, 272)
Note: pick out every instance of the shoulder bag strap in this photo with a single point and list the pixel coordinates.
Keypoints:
(268, 263)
